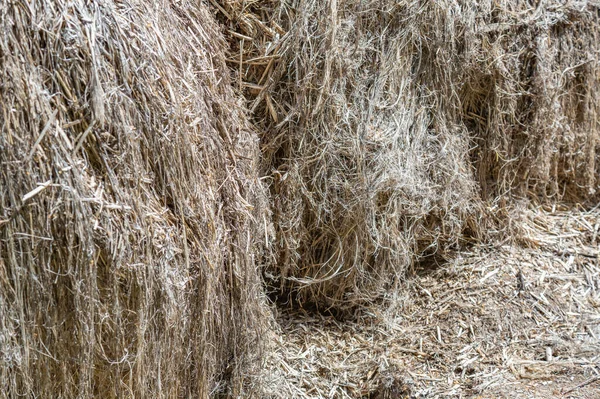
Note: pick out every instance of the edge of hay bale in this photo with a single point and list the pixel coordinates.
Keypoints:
(131, 213)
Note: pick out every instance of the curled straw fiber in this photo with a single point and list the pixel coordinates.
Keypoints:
(391, 129)
(131, 215)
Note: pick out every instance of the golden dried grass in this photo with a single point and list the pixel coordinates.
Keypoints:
(530, 97)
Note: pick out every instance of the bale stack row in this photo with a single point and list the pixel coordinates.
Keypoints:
(530, 98)
(396, 130)
(134, 213)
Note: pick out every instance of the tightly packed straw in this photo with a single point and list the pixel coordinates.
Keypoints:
(530, 96)
(387, 125)
(132, 218)
(131, 214)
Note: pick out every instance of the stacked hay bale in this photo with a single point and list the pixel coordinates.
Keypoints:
(530, 94)
(131, 214)
(369, 172)
(394, 129)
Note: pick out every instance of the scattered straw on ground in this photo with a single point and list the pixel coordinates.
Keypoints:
(499, 321)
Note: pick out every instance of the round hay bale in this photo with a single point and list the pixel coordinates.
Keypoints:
(131, 214)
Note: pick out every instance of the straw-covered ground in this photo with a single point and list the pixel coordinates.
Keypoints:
(496, 321)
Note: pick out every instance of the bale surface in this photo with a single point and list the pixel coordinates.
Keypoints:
(131, 214)
(394, 129)
(530, 96)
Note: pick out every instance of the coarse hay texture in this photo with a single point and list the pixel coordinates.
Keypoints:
(496, 321)
(369, 171)
(531, 98)
(132, 218)
(394, 131)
